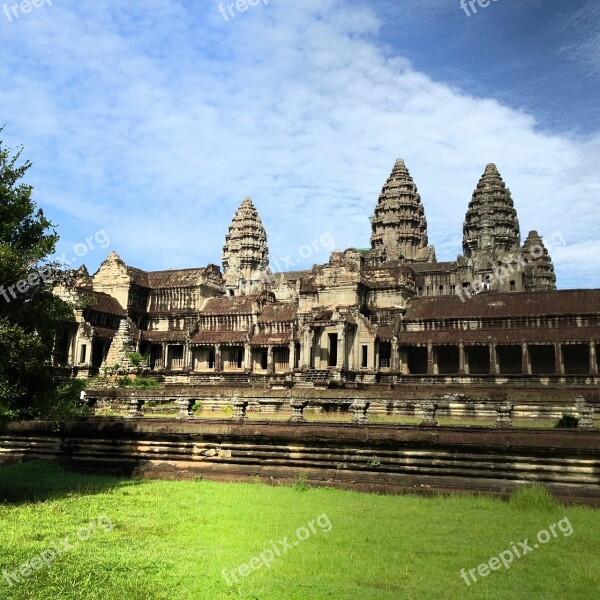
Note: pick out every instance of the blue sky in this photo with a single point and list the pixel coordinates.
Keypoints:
(152, 120)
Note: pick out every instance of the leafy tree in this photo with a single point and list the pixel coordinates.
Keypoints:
(29, 315)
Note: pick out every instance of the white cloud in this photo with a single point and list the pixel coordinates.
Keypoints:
(154, 120)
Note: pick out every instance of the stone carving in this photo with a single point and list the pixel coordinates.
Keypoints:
(538, 275)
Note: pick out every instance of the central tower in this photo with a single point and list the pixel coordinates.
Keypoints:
(399, 226)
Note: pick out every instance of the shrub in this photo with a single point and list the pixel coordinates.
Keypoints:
(567, 422)
(138, 360)
(139, 383)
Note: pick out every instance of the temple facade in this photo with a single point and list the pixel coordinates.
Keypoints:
(387, 315)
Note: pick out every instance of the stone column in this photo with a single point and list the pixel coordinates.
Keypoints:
(359, 410)
(525, 366)
(298, 407)
(461, 359)
(136, 406)
(218, 362)
(493, 360)
(185, 408)
(593, 359)
(429, 409)
(430, 362)
(165, 349)
(270, 364)
(341, 347)
(314, 364)
(504, 411)
(248, 356)
(559, 368)
(376, 356)
(395, 357)
(585, 413)
(292, 355)
(239, 408)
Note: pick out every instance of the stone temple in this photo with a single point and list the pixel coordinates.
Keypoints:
(388, 315)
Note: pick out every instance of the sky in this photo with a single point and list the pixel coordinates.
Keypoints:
(148, 122)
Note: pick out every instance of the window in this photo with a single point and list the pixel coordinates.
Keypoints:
(419, 291)
(263, 360)
(453, 289)
(441, 290)
(365, 357)
(83, 353)
(513, 286)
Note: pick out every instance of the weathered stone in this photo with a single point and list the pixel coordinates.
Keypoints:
(359, 410)
(428, 410)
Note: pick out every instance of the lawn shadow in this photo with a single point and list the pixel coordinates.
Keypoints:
(38, 481)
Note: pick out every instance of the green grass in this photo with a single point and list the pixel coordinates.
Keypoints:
(173, 539)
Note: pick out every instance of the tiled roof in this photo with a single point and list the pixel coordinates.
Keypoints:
(517, 304)
(227, 305)
(220, 337)
(278, 313)
(101, 302)
(271, 339)
(430, 267)
(164, 336)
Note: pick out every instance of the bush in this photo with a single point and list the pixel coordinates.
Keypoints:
(139, 383)
(533, 496)
(138, 360)
(567, 422)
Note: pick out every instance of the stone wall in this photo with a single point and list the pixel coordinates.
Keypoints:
(365, 457)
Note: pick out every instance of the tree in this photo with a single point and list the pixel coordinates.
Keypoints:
(29, 312)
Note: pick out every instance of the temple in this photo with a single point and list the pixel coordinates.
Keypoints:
(387, 315)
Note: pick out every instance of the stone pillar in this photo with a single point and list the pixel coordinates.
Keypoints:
(239, 408)
(593, 359)
(525, 365)
(218, 361)
(375, 356)
(504, 411)
(395, 357)
(429, 409)
(298, 407)
(461, 359)
(314, 364)
(165, 349)
(359, 410)
(185, 408)
(430, 362)
(292, 355)
(559, 367)
(493, 360)
(270, 364)
(136, 406)
(248, 356)
(341, 347)
(305, 349)
(585, 413)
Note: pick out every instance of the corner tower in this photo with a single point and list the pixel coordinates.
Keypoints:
(245, 253)
(399, 226)
(491, 226)
(538, 274)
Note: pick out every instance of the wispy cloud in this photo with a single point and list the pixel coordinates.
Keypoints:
(154, 119)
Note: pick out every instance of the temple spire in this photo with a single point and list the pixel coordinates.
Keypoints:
(245, 253)
(399, 226)
(491, 223)
(538, 274)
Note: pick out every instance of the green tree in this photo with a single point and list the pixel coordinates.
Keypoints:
(28, 317)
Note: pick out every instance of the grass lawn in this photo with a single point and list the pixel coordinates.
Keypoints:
(172, 540)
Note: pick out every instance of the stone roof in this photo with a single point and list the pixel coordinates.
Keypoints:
(220, 337)
(506, 305)
(278, 313)
(227, 305)
(101, 302)
(432, 267)
(271, 339)
(164, 336)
